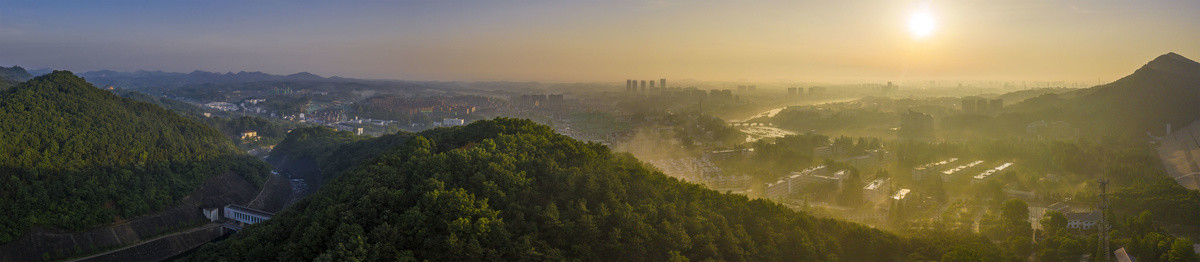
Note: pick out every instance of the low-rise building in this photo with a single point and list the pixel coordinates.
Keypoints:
(877, 190)
(901, 194)
(953, 172)
(920, 172)
(872, 160)
(726, 154)
(803, 178)
(778, 189)
(1082, 220)
(249, 135)
(245, 214)
(791, 183)
(828, 151)
(223, 106)
(350, 128)
(452, 122)
(988, 174)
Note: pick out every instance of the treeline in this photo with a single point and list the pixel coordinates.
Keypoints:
(268, 131)
(74, 156)
(11, 76)
(329, 151)
(513, 190)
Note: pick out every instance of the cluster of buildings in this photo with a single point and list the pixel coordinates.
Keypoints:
(1077, 218)
(451, 106)
(813, 175)
(872, 160)
(920, 172)
(539, 100)
(249, 135)
(747, 88)
(889, 88)
(725, 94)
(799, 91)
(979, 105)
(702, 170)
(940, 168)
(691, 169)
(915, 125)
(986, 174)
(223, 106)
(226, 106)
(640, 86)
(953, 172)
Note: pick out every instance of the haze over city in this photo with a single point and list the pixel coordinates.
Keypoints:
(603, 41)
(533, 130)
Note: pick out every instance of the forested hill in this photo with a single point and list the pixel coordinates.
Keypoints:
(1165, 90)
(320, 153)
(74, 156)
(10, 76)
(509, 189)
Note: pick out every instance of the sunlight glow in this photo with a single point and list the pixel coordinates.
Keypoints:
(920, 24)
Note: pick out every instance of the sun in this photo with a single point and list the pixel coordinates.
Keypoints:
(921, 24)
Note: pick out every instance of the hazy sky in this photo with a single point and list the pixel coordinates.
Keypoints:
(577, 41)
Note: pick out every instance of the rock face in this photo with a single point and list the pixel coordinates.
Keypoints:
(43, 244)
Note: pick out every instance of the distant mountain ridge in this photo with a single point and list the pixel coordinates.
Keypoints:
(15, 73)
(161, 78)
(1164, 91)
(10, 76)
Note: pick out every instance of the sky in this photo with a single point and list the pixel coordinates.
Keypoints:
(606, 41)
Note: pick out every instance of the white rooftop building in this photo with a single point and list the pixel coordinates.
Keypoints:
(452, 121)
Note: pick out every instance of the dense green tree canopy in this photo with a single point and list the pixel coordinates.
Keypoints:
(513, 190)
(74, 156)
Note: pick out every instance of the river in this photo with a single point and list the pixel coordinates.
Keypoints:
(754, 133)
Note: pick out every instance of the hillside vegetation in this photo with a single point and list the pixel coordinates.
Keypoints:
(74, 156)
(10, 76)
(514, 190)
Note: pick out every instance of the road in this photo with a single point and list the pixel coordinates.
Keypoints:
(194, 229)
(203, 227)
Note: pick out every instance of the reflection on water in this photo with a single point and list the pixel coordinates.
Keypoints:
(754, 133)
(770, 113)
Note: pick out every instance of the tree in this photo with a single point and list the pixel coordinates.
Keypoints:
(1182, 251)
(938, 190)
(77, 156)
(509, 189)
(961, 256)
(1014, 214)
(852, 191)
(1053, 222)
(1014, 211)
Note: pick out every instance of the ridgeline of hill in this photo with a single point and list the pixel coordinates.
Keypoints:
(509, 189)
(1165, 90)
(74, 156)
(11, 76)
